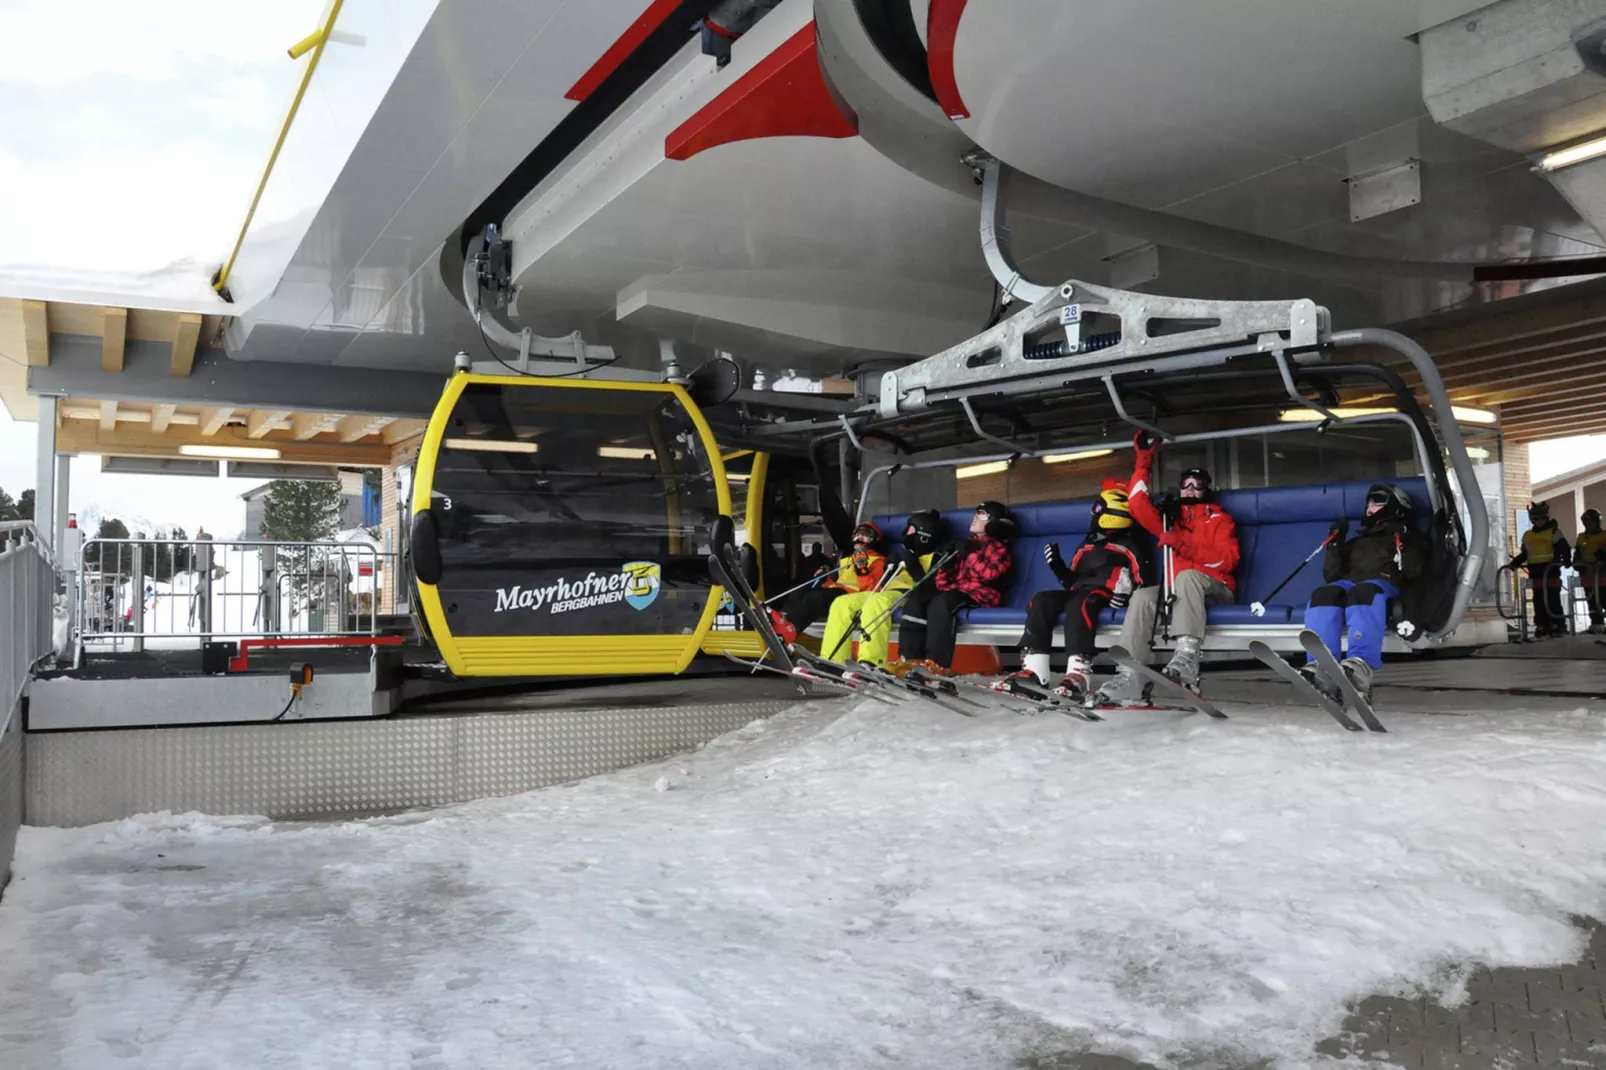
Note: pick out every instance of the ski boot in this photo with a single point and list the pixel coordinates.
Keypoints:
(1126, 689)
(783, 627)
(932, 668)
(1597, 629)
(1360, 676)
(1006, 684)
(1323, 686)
(1183, 667)
(1073, 685)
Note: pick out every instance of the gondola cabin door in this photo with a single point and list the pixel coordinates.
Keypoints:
(560, 527)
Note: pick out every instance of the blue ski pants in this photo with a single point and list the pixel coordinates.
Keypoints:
(1361, 609)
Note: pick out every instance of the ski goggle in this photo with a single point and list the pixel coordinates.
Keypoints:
(1191, 481)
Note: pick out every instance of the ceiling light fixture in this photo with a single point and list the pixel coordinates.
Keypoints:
(231, 453)
(627, 453)
(491, 445)
(1572, 154)
(1311, 416)
(988, 469)
(1466, 414)
(1085, 455)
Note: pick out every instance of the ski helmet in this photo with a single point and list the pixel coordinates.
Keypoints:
(867, 531)
(1000, 524)
(1386, 502)
(1591, 520)
(1539, 514)
(923, 530)
(1197, 479)
(1110, 509)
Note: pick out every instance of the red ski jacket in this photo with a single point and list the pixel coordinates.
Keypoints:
(979, 571)
(1204, 538)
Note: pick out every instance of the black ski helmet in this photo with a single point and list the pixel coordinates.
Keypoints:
(1539, 514)
(1591, 519)
(1207, 489)
(1395, 502)
(923, 531)
(1000, 524)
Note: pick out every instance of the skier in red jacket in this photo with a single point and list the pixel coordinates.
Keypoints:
(1203, 541)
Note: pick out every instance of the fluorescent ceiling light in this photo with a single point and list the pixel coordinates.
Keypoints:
(988, 469)
(1477, 453)
(232, 453)
(491, 445)
(1468, 415)
(627, 453)
(1588, 150)
(1085, 455)
(1311, 416)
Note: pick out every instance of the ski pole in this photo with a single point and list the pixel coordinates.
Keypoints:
(854, 625)
(1258, 609)
(806, 583)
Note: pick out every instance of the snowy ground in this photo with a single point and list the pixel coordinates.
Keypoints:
(845, 886)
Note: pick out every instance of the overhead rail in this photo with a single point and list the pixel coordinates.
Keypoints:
(315, 42)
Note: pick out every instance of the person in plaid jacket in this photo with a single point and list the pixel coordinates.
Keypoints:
(974, 578)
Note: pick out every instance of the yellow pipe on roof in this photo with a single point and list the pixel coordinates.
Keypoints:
(315, 42)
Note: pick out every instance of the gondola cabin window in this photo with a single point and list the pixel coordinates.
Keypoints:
(572, 511)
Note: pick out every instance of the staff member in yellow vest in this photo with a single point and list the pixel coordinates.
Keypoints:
(874, 608)
(1544, 554)
(1589, 558)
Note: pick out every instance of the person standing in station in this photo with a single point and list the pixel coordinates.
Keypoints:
(1104, 571)
(974, 577)
(1203, 542)
(1362, 576)
(1589, 558)
(1543, 555)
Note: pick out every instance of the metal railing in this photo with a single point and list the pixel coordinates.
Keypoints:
(1569, 596)
(27, 600)
(180, 593)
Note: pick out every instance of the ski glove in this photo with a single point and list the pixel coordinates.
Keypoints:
(1338, 531)
(1051, 555)
(1143, 445)
(1121, 595)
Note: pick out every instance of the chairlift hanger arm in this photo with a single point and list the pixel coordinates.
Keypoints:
(1121, 411)
(982, 433)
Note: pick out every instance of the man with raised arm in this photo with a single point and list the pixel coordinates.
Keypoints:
(1202, 540)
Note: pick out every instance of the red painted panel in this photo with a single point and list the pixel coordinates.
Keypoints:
(628, 42)
(942, 27)
(785, 94)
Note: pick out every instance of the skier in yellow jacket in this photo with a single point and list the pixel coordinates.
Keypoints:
(873, 608)
(1544, 553)
(1589, 558)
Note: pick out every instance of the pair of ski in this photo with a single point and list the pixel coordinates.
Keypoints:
(807, 668)
(1327, 665)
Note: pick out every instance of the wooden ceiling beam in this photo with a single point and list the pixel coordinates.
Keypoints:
(161, 417)
(36, 333)
(213, 419)
(82, 436)
(186, 333)
(113, 332)
(1503, 328)
(260, 421)
(307, 425)
(1572, 423)
(108, 415)
(401, 430)
(352, 428)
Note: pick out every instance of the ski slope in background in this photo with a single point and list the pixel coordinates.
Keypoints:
(844, 886)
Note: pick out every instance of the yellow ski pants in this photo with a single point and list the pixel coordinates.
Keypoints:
(871, 606)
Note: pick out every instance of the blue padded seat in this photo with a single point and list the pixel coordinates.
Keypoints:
(1277, 528)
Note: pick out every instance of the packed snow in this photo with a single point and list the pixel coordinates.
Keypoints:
(853, 884)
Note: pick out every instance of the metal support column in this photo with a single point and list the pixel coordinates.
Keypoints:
(136, 594)
(58, 537)
(44, 490)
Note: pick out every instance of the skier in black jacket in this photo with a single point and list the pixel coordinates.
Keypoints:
(1363, 574)
(1104, 571)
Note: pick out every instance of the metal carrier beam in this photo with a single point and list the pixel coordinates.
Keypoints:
(1083, 331)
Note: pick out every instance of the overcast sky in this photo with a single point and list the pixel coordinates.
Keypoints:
(131, 137)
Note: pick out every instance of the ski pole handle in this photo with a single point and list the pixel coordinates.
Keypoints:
(806, 583)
